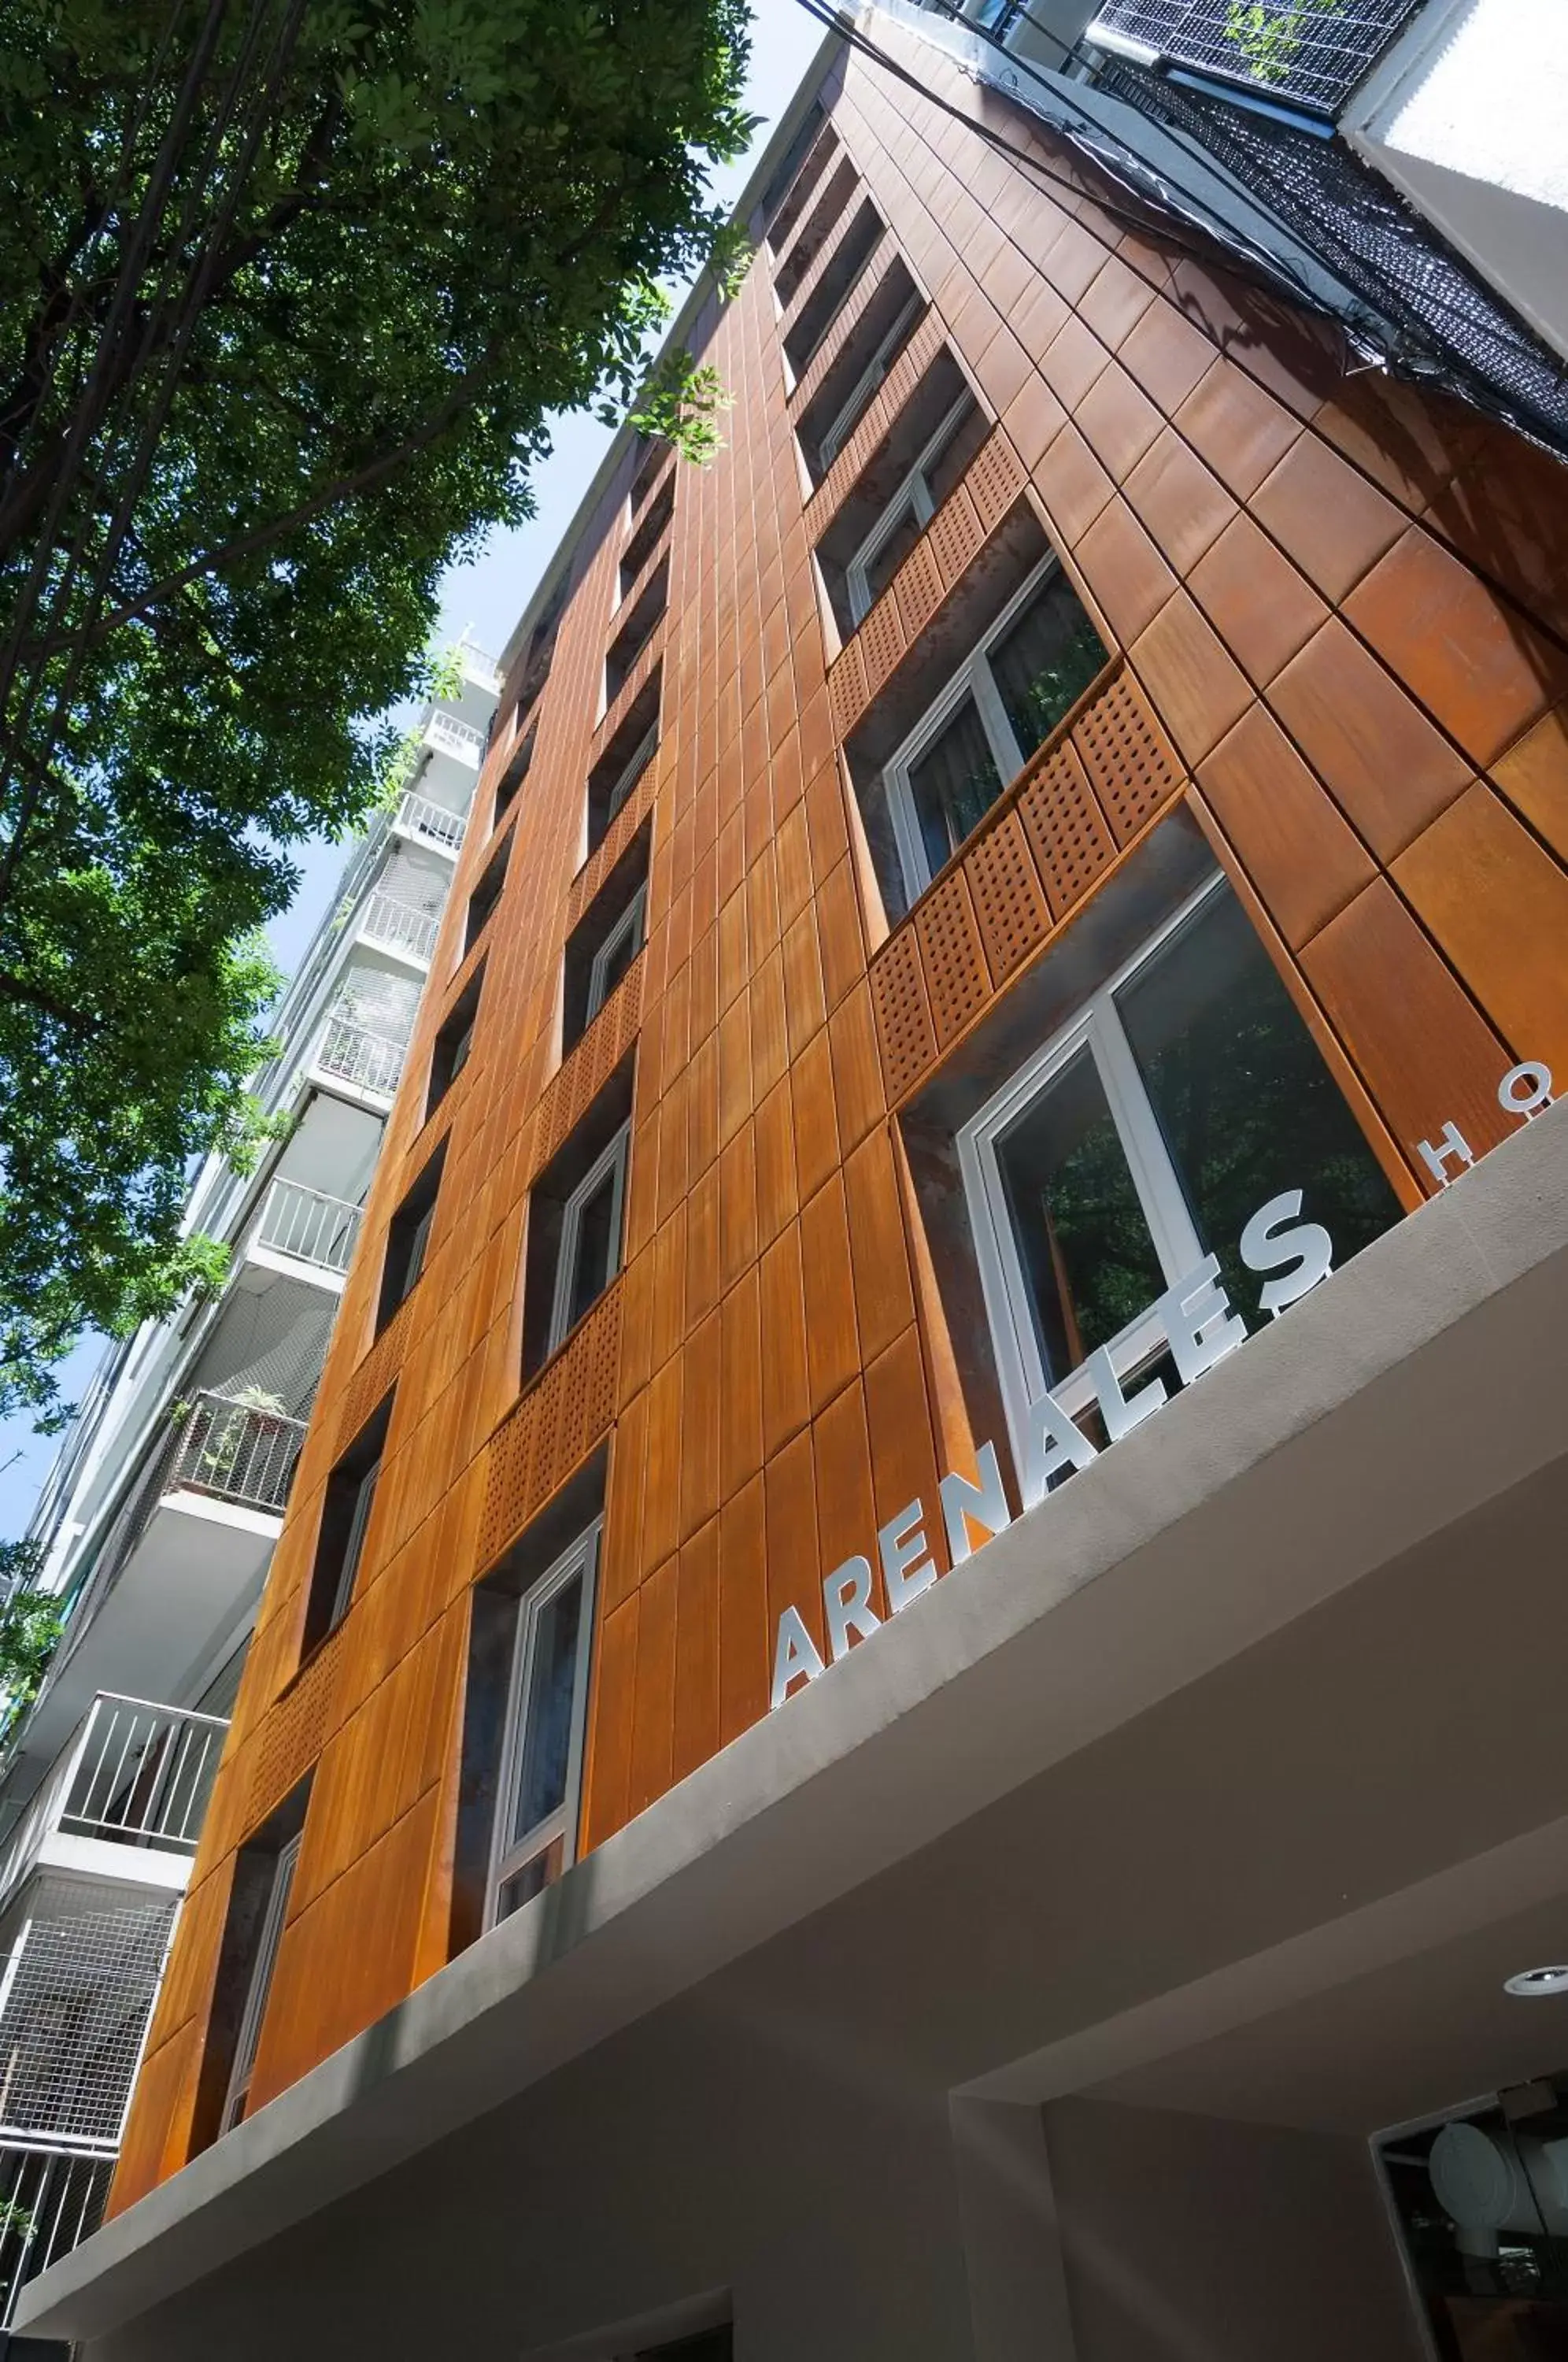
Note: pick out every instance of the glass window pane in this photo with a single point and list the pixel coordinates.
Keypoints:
(1088, 1257)
(955, 784)
(1044, 661)
(1247, 1107)
(619, 957)
(546, 1710)
(880, 569)
(591, 1265)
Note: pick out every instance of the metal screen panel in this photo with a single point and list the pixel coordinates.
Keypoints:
(1313, 52)
(75, 1996)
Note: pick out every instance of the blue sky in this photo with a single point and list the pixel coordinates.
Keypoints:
(485, 597)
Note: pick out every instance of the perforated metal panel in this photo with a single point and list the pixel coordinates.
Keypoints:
(615, 840)
(1066, 830)
(374, 1377)
(295, 1733)
(569, 1407)
(1126, 756)
(1010, 903)
(995, 480)
(881, 643)
(846, 689)
(917, 587)
(589, 1065)
(904, 1027)
(954, 537)
(957, 982)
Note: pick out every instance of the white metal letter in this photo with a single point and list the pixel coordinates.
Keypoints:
(795, 1658)
(1121, 1413)
(907, 1564)
(1451, 1141)
(1054, 1442)
(1537, 1092)
(985, 1504)
(846, 1595)
(1197, 1317)
(1266, 1245)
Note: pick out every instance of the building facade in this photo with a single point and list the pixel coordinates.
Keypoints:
(159, 1516)
(906, 1706)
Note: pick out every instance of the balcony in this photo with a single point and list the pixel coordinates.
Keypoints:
(369, 1063)
(306, 1226)
(446, 736)
(431, 823)
(408, 934)
(237, 1452)
(133, 1775)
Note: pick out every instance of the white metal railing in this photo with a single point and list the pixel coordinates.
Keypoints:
(131, 1772)
(308, 1225)
(50, 2199)
(397, 928)
(357, 1055)
(479, 668)
(459, 739)
(419, 817)
(237, 1451)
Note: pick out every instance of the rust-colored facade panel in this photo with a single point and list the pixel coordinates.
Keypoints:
(1334, 663)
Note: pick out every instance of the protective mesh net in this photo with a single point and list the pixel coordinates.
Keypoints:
(1313, 51)
(378, 999)
(1451, 329)
(273, 1340)
(78, 1995)
(413, 878)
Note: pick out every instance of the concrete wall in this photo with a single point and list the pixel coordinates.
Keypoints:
(1205, 2241)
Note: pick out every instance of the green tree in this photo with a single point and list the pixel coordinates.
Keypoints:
(29, 1627)
(287, 292)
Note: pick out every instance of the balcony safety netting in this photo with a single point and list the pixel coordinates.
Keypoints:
(1310, 52)
(80, 1989)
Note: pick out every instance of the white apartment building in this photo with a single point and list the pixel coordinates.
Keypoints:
(161, 1514)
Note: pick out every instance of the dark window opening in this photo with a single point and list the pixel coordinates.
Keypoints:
(345, 1522)
(820, 222)
(923, 458)
(606, 939)
(648, 534)
(248, 1955)
(511, 778)
(453, 1044)
(833, 289)
(408, 1239)
(576, 1219)
(885, 327)
(634, 635)
(615, 775)
(801, 168)
(485, 896)
(656, 456)
(542, 640)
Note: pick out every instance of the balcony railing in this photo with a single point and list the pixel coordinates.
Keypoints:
(50, 2199)
(446, 737)
(394, 927)
(237, 1452)
(417, 816)
(132, 1773)
(308, 1225)
(354, 1054)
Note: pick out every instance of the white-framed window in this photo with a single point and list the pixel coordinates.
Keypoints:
(260, 1984)
(617, 951)
(1183, 1097)
(637, 763)
(541, 1765)
(590, 1253)
(902, 520)
(354, 1546)
(837, 434)
(1003, 702)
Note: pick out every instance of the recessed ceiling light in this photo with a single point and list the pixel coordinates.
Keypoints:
(1530, 1984)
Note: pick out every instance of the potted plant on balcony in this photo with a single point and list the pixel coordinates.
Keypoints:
(239, 1424)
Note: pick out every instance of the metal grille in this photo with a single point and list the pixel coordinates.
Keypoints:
(356, 1056)
(50, 2199)
(396, 928)
(77, 1993)
(1311, 51)
(238, 1453)
(308, 1225)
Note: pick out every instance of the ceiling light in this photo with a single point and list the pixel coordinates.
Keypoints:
(1531, 1984)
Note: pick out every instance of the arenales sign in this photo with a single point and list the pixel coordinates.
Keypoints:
(1198, 1325)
